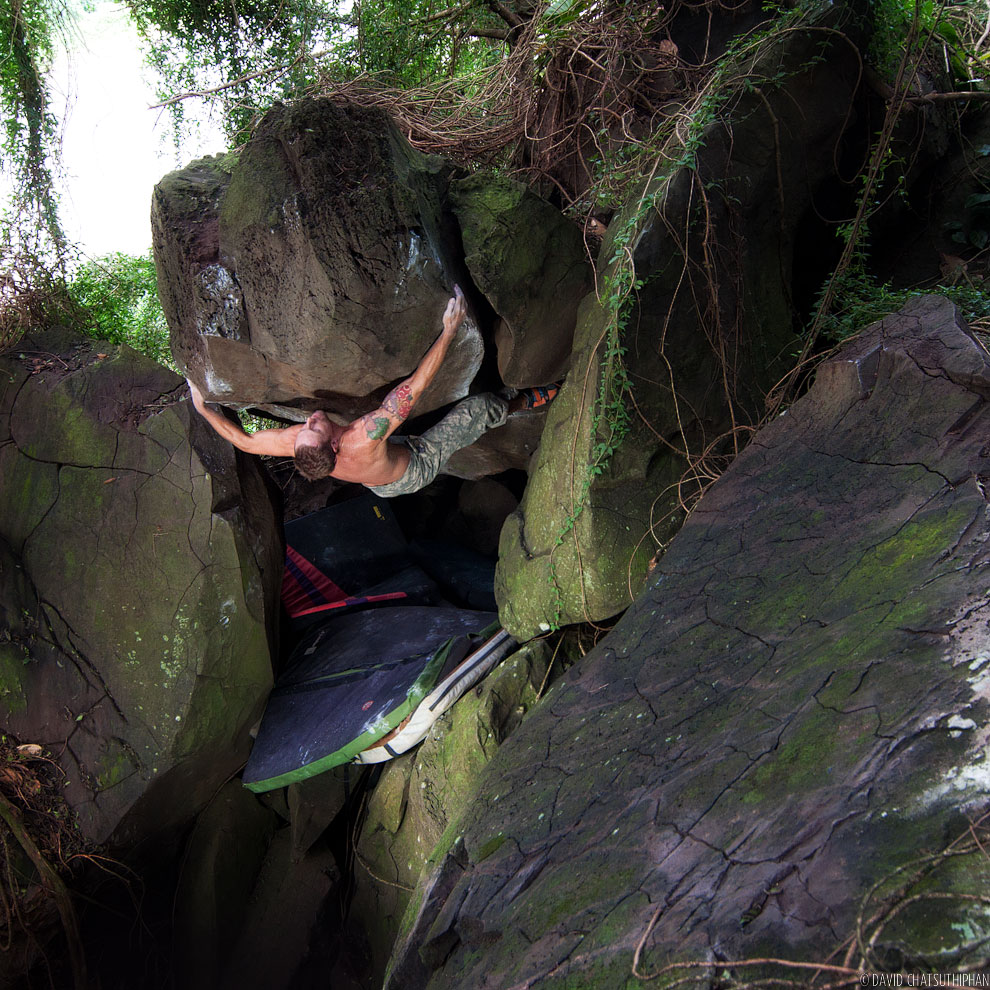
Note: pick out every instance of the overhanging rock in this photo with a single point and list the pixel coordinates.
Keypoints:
(793, 711)
(312, 269)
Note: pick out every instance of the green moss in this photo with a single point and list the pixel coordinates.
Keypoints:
(840, 686)
(202, 180)
(573, 892)
(928, 928)
(892, 567)
(219, 704)
(562, 567)
(437, 855)
(456, 755)
(923, 537)
(248, 201)
(444, 844)
(225, 163)
(114, 766)
(81, 440)
(387, 807)
(567, 903)
(798, 763)
(13, 677)
(872, 597)
(628, 915)
(608, 973)
(30, 490)
(489, 847)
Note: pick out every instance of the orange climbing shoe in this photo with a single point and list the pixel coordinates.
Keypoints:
(533, 399)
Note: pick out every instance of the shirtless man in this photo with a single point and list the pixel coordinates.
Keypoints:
(361, 451)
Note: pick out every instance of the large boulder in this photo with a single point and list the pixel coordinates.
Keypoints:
(140, 562)
(685, 360)
(781, 747)
(510, 447)
(311, 271)
(532, 265)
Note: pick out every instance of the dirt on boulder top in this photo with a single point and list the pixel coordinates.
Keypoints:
(111, 402)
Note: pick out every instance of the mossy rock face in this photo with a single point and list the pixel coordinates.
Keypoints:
(142, 568)
(532, 266)
(423, 794)
(705, 335)
(792, 717)
(324, 262)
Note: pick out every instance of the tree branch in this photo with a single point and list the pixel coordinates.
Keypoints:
(221, 87)
(500, 34)
(53, 883)
(272, 70)
(450, 12)
(969, 94)
(509, 16)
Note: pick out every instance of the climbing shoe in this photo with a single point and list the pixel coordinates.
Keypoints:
(533, 399)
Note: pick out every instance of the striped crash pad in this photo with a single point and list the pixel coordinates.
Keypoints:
(349, 555)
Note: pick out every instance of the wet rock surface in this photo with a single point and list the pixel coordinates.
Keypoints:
(794, 709)
(139, 571)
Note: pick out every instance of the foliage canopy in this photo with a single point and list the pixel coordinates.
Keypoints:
(117, 298)
(29, 149)
(247, 56)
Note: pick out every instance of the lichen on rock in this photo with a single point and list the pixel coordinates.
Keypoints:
(145, 559)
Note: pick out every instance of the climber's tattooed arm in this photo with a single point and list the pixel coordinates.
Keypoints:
(377, 427)
(392, 413)
(399, 402)
(397, 406)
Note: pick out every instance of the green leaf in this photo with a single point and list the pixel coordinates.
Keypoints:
(947, 31)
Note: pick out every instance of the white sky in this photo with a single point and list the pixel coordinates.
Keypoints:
(114, 148)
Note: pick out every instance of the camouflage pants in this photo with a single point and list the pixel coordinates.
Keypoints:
(459, 428)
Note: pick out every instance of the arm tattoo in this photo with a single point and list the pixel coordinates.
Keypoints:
(377, 428)
(399, 401)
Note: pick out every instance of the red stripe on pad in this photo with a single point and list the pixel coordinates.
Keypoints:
(295, 593)
(293, 597)
(351, 601)
(332, 592)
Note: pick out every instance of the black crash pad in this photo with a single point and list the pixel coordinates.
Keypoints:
(351, 681)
